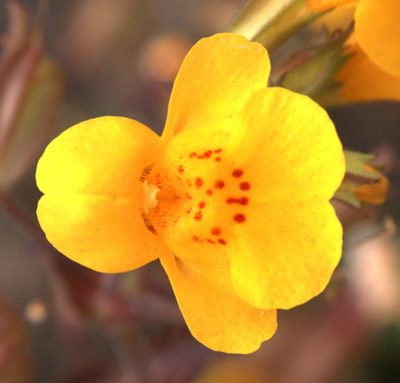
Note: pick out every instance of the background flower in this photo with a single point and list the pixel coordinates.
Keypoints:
(371, 72)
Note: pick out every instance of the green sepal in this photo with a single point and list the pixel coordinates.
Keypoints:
(310, 72)
(346, 193)
(355, 167)
(357, 174)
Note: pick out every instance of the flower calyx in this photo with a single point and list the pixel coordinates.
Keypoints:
(363, 182)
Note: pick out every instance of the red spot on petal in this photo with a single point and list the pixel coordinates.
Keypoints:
(210, 240)
(219, 184)
(244, 186)
(241, 201)
(191, 155)
(206, 154)
(195, 238)
(188, 211)
(202, 205)
(237, 173)
(217, 159)
(180, 169)
(218, 151)
(209, 192)
(239, 218)
(188, 196)
(198, 216)
(199, 183)
(216, 231)
(221, 241)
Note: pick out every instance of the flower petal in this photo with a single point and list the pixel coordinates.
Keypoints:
(216, 79)
(378, 33)
(362, 80)
(103, 233)
(290, 148)
(286, 257)
(215, 315)
(291, 239)
(91, 210)
(103, 156)
(280, 154)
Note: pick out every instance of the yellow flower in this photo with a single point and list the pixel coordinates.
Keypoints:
(373, 71)
(362, 80)
(233, 198)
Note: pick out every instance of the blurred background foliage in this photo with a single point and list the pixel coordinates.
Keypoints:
(62, 323)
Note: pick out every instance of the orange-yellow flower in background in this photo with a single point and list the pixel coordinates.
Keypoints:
(362, 80)
(373, 71)
(373, 192)
(233, 198)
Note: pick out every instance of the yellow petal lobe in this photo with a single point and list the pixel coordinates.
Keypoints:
(292, 237)
(91, 210)
(103, 233)
(291, 255)
(362, 80)
(101, 156)
(378, 33)
(213, 312)
(216, 79)
(242, 191)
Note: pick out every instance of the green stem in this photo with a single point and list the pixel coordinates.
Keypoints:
(271, 22)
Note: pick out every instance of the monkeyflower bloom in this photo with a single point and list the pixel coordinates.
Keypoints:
(373, 70)
(233, 198)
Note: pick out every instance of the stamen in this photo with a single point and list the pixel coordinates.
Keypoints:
(146, 172)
